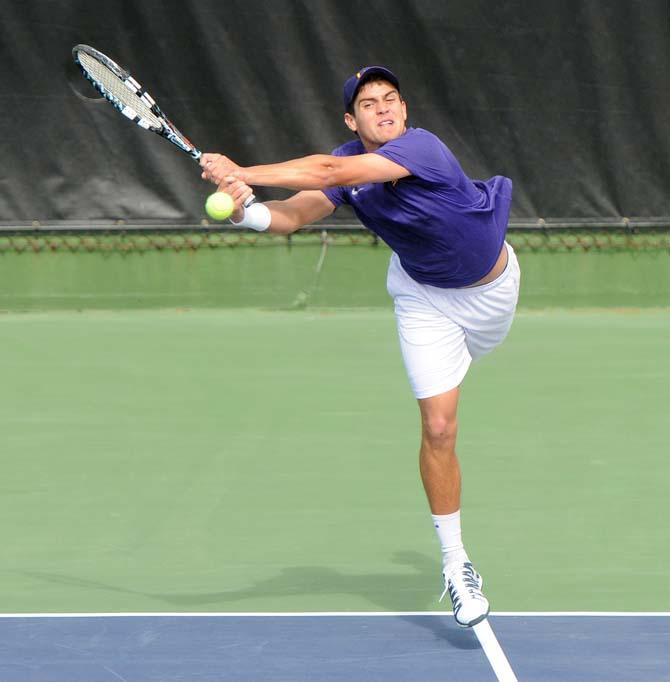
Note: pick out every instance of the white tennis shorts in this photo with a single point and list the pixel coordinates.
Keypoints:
(442, 331)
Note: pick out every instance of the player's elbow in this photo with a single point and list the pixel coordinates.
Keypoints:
(345, 171)
(329, 172)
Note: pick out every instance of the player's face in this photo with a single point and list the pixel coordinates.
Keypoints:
(379, 114)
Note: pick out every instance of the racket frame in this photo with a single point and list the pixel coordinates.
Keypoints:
(165, 129)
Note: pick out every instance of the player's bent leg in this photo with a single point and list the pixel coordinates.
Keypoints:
(486, 312)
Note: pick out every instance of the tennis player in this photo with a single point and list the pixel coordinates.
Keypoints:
(453, 278)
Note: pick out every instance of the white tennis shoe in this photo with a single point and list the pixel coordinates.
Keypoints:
(464, 586)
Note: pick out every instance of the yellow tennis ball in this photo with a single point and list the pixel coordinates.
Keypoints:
(219, 205)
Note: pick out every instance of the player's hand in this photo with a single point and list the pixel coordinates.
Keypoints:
(215, 167)
(239, 191)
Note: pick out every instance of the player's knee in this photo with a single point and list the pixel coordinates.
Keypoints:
(440, 431)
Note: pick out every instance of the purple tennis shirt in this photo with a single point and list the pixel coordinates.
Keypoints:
(447, 229)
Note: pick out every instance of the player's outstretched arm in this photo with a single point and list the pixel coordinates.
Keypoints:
(318, 171)
(289, 215)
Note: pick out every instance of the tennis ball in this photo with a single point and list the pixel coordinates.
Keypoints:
(219, 205)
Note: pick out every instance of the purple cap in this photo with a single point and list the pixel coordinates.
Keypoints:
(353, 83)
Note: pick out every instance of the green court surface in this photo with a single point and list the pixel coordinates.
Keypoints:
(243, 460)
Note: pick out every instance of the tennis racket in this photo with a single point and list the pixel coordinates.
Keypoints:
(119, 88)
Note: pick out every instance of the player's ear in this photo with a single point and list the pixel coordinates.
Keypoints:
(350, 122)
(403, 104)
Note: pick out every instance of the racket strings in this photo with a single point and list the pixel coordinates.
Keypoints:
(122, 93)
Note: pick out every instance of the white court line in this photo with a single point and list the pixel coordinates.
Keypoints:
(333, 614)
(494, 653)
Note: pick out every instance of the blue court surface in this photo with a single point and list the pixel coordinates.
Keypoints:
(366, 647)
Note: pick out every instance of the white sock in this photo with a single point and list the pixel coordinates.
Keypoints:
(448, 528)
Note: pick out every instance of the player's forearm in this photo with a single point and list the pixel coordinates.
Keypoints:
(309, 172)
(284, 219)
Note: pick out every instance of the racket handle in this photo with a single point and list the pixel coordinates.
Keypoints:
(196, 154)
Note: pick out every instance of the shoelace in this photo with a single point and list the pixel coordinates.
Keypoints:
(470, 583)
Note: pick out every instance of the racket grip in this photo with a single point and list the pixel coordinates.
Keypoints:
(196, 154)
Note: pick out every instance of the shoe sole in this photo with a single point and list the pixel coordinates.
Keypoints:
(474, 622)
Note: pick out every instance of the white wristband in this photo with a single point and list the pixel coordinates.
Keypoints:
(257, 217)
